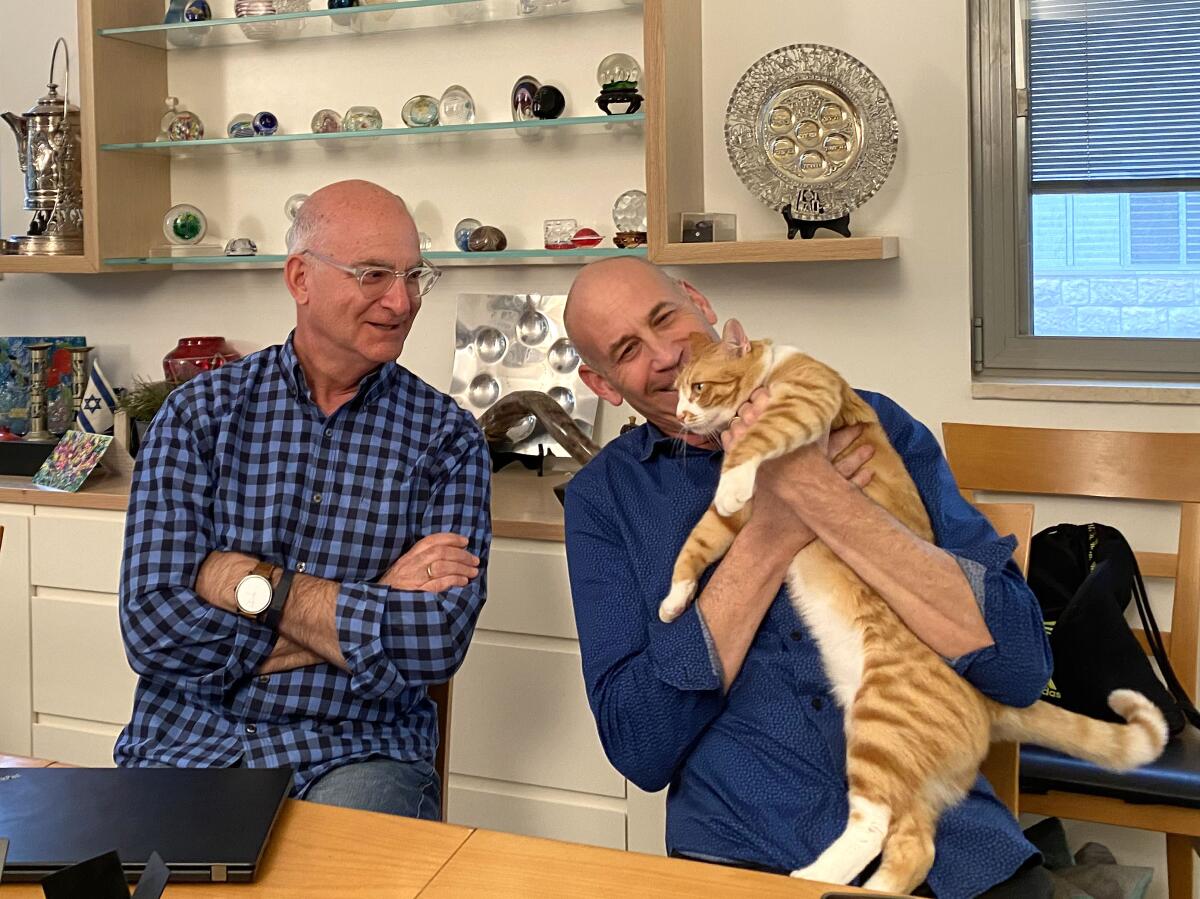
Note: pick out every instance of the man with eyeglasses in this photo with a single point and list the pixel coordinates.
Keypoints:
(307, 537)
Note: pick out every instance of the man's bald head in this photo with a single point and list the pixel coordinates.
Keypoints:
(327, 208)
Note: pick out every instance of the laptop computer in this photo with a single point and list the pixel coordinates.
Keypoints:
(207, 824)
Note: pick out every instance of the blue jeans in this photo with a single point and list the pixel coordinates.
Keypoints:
(411, 789)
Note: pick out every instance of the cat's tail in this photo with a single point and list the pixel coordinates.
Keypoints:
(1119, 747)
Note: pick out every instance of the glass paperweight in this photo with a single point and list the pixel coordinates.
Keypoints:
(456, 106)
(618, 74)
(184, 224)
(486, 239)
(197, 11)
(462, 232)
(250, 9)
(292, 205)
(362, 118)
(265, 124)
(241, 246)
(193, 355)
(707, 227)
(342, 4)
(420, 111)
(522, 98)
(383, 16)
(629, 215)
(326, 121)
(548, 102)
(179, 124)
(558, 233)
(241, 125)
(585, 237)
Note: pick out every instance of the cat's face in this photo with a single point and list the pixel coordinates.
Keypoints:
(718, 378)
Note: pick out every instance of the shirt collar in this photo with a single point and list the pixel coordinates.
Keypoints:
(653, 440)
(370, 387)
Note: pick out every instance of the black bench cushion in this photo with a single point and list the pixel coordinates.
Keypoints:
(1172, 780)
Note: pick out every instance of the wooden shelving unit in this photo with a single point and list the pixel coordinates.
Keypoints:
(834, 249)
(46, 265)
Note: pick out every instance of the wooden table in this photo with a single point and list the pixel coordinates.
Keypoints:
(323, 851)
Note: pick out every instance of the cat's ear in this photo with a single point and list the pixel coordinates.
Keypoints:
(734, 336)
(698, 342)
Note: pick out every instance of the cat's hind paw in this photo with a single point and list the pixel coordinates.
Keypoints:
(735, 489)
(677, 600)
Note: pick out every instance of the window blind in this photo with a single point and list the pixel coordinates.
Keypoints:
(1114, 94)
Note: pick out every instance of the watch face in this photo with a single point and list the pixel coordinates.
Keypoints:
(253, 594)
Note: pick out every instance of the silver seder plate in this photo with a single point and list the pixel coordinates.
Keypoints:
(811, 126)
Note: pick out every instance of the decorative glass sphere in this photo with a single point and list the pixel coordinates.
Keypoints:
(585, 237)
(292, 205)
(548, 102)
(629, 211)
(522, 98)
(342, 4)
(197, 11)
(326, 121)
(241, 125)
(420, 111)
(241, 246)
(184, 224)
(265, 124)
(462, 233)
(187, 126)
(362, 118)
(456, 107)
(424, 241)
(618, 70)
(486, 239)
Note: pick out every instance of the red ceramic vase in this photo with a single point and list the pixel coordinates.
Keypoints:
(193, 355)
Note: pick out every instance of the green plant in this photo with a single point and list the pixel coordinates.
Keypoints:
(143, 400)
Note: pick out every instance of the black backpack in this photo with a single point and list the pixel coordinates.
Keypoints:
(1084, 576)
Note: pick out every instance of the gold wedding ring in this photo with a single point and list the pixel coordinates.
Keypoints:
(429, 570)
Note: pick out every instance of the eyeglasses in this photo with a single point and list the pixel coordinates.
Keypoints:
(376, 280)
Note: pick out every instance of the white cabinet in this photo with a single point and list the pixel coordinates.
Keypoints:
(16, 711)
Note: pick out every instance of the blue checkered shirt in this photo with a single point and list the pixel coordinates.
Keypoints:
(242, 459)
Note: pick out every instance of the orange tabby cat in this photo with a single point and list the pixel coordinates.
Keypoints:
(916, 732)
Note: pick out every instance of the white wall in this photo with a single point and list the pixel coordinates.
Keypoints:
(900, 326)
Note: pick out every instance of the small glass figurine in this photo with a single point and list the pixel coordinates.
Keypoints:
(548, 102)
(462, 233)
(424, 241)
(179, 124)
(292, 205)
(522, 98)
(420, 111)
(326, 121)
(618, 74)
(629, 215)
(184, 224)
(585, 237)
(362, 118)
(558, 233)
(486, 239)
(241, 246)
(456, 107)
(241, 125)
(265, 124)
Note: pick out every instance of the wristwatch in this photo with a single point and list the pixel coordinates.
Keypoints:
(274, 613)
(254, 592)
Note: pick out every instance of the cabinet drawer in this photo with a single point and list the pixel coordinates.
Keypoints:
(79, 665)
(88, 744)
(528, 590)
(521, 714)
(77, 552)
(539, 815)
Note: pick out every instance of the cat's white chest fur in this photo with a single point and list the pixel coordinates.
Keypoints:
(839, 640)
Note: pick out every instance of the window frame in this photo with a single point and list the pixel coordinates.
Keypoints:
(1003, 344)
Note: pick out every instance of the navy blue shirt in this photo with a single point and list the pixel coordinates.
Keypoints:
(759, 775)
(243, 459)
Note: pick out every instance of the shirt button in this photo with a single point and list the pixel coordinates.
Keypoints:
(263, 679)
(300, 566)
(317, 498)
(329, 432)
(251, 729)
(818, 703)
(797, 635)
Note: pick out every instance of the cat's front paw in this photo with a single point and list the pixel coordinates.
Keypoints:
(735, 489)
(677, 600)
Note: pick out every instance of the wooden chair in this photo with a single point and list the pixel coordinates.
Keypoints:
(1002, 763)
(1165, 796)
(441, 694)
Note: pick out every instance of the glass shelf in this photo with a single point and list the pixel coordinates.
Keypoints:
(440, 257)
(367, 19)
(597, 124)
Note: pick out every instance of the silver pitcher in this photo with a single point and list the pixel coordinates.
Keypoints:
(51, 159)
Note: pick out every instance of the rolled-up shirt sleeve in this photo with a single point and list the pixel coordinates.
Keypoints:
(396, 638)
(1015, 668)
(172, 636)
(653, 687)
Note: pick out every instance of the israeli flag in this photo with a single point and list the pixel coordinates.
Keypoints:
(95, 413)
